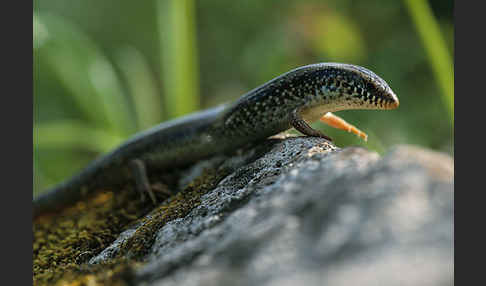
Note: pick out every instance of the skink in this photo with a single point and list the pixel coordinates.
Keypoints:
(293, 99)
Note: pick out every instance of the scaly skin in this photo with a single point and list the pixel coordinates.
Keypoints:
(303, 94)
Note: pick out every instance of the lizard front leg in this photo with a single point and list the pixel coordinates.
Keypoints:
(299, 123)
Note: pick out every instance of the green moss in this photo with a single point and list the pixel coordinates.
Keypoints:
(65, 241)
(177, 206)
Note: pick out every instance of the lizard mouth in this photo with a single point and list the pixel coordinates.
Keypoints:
(394, 101)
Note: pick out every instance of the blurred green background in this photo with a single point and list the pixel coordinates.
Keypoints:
(104, 70)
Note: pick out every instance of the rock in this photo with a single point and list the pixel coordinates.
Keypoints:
(299, 211)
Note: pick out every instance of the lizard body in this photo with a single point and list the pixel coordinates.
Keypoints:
(290, 100)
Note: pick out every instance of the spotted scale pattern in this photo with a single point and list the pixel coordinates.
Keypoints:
(328, 87)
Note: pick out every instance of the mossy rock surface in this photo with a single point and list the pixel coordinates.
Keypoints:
(290, 209)
(66, 243)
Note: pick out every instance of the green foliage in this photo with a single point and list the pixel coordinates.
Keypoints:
(84, 71)
(96, 89)
(437, 53)
(75, 134)
(142, 86)
(338, 37)
(179, 55)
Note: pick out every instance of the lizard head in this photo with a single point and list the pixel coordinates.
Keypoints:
(355, 87)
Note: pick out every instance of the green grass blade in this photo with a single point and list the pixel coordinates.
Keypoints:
(436, 49)
(180, 70)
(111, 95)
(76, 135)
(84, 71)
(142, 85)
